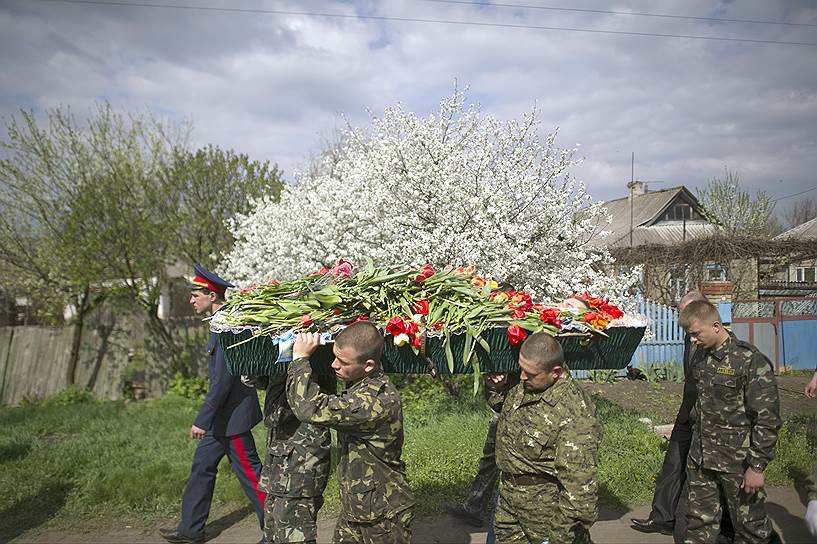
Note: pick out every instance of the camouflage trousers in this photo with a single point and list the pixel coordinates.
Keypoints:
(289, 520)
(748, 512)
(393, 530)
(530, 514)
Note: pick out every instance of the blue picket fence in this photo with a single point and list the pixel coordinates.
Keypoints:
(664, 340)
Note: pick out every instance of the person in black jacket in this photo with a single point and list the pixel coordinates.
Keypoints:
(668, 514)
(223, 426)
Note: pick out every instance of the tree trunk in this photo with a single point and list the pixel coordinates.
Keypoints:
(164, 336)
(76, 342)
(104, 330)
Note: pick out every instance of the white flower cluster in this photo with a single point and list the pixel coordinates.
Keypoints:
(455, 187)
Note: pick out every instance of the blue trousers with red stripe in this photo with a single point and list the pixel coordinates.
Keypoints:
(240, 451)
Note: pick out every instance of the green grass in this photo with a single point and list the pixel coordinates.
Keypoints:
(72, 461)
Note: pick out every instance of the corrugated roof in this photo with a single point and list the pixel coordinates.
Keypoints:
(665, 233)
(647, 209)
(804, 231)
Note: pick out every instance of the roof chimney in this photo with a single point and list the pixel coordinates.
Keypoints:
(637, 187)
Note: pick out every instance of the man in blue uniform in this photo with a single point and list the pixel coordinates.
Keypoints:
(230, 410)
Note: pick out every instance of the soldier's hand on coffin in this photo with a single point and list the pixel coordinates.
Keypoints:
(197, 432)
(495, 380)
(305, 344)
(753, 481)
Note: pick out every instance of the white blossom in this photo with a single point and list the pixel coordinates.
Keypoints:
(457, 186)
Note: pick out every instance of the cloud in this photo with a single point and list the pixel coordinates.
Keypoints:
(273, 85)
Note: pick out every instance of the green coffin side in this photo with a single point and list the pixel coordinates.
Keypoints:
(588, 352)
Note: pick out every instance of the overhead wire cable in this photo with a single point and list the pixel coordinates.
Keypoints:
(795, 194)
(423, 20)
(610, 12)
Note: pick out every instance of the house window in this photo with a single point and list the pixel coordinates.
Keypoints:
(681, 212)
(715, 272)
(806, 274)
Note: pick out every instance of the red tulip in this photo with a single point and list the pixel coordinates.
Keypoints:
(516, 334)
(550, 316)
(421, 307)
(395, 326)
(342, 268)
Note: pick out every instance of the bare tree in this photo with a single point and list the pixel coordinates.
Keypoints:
(802, 210)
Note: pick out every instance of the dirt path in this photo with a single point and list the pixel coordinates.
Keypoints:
(785, 507)
(664, 398)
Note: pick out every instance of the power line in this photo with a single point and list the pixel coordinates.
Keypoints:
(634, 13)
(795, 194)
(421, 20)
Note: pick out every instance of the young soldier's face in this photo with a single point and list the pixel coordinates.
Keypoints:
(707, 336)
(346, 364)
(534, 379)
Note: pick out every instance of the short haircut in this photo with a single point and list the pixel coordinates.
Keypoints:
(364, 339)
(701, 311)
(692, 296)
(543, 350)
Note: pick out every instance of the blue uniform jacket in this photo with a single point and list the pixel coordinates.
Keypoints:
(230, 407)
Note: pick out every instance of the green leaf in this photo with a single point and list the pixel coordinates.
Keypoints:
(449, 357)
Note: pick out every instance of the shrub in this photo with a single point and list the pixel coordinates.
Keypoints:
(189, 388)
(72, 394)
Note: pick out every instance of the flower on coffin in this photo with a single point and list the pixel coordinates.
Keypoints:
(520, 300)
(516, 334)
(342, 268)
(479, 283)
(305, 321)
(611, 310)
(394, 326)
(599, 320)
(405, 331)
(550, 316)
(424, 273)
(420, 307)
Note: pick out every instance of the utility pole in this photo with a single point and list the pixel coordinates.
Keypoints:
(632, 184)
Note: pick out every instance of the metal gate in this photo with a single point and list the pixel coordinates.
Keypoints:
(785, 330)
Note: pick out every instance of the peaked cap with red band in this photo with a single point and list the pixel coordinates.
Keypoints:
(205, 279)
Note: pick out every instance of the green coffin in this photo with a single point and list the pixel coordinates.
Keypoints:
(583, 352)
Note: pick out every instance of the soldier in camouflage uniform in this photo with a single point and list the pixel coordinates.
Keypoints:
(546, 450)
(374, 493)
(736, 419)
(296, 467)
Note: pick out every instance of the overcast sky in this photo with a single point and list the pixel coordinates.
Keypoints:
(274, 85)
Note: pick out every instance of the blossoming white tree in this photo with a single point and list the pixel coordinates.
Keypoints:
(458, 186)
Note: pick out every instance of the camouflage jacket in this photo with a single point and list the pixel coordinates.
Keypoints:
(554, 433)
(736, 415)
(368, 416)
(298, 454)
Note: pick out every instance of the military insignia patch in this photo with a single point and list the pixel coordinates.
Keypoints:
(728, 370)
